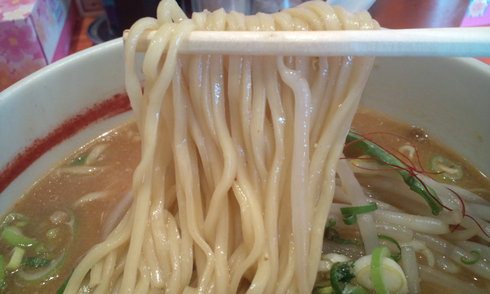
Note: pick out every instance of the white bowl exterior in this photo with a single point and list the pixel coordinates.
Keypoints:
(449, 98)
(34, 106)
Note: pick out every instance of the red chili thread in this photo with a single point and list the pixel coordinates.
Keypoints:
(413, 171)
(463, 212)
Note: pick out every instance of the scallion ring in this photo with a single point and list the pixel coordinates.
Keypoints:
(467, 261)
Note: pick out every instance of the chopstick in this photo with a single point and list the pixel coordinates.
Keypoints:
(462, 42)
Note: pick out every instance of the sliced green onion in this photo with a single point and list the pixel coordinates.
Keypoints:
(333, 235)
(448, 170)
(3, 283)
(343, 241)
(340, 275)
(350, 213)
(376, 269)
(16, 259)
(13, 236)
(395, 257)
(334, 278)
(477, 255)
(18, 219)
(47, 272)
(41, 249)
(317, 290)
(62, 288)
(412, 182)
(52, 233)
(36, 261)
(80, 160)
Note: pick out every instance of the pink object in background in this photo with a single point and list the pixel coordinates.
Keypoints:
(478, 15)
(33, 33)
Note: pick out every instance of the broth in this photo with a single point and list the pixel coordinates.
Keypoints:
(398, 134)
(54, 201)
(59, 191)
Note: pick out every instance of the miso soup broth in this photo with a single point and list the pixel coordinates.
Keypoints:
(78, 202)
(72, 208)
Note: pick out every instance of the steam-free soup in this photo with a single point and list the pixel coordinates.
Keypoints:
(80, 201)
(70, 209)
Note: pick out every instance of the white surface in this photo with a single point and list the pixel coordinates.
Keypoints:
(464, 42)
(449, 98)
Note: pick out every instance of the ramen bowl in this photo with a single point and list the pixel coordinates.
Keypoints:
(49, 114)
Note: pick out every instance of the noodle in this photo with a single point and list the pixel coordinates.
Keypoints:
(238, 159)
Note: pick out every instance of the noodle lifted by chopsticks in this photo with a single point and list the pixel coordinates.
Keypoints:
(238, 159)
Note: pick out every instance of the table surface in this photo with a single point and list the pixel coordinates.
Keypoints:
(395, 14)
(403, 14)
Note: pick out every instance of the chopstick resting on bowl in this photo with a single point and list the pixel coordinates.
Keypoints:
(462, 42)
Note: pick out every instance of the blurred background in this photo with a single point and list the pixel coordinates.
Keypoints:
(34, 33)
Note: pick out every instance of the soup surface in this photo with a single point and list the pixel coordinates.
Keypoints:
(78, 198)
(394, 134)
(78, 202)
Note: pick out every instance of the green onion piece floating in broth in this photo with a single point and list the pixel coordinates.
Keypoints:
(80, 160)
(340, 275)
(62, 288)
(36, 261)
(322, 290)
(477, 255)
(395, 257)
(446, 168)
(377, 270)
(13, 236)
(2, 274)
(15, 218)
(333, 235)
(16, 259)
(386, 158)
(350, 213)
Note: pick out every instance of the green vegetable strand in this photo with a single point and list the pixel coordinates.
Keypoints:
(377, 269)
(333, 235)
(316, 290)
(340, 275)
(36, 261)
(15, 218)
(16, 259)
(382, 155)
(53, 233)
(62, 288)
(3, 283)
(350, 213)
(477, 257)
(80, 160)
(395, 257)
(13, 236)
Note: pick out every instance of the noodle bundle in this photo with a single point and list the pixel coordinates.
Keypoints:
(239, 157)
